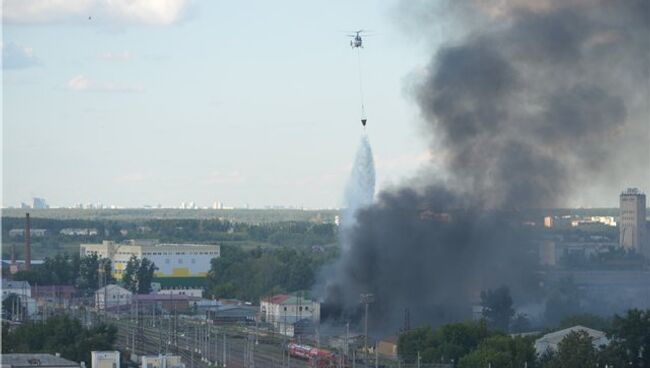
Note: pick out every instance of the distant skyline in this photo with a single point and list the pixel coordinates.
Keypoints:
(160, 102)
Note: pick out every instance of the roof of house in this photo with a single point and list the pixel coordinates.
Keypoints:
(164, 297)
(35, 360)
(112, 287)
(557, 336)
(50, 288)
(287, 299)
(6, 284)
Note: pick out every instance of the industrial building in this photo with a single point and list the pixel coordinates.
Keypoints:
(105, 359)
(162, 361)
(632, 221)
(172, 260)
(111, 296)
(31, 360)
(291, 315)
(551, 341)
(287, 305)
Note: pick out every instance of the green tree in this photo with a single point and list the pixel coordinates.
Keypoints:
(576, 350)
(448, 342)
(497, 307)
(130, 275)
(630, 336)
(411, 342)
(138, 275)
(12, 306)
(501, 351)
(59, 335)
(145, 275)
(563, 301)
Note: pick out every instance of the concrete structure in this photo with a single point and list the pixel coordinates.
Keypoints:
(31, 360)
(550, 341)
(172, 260)
(162, 361)
(112, 296)
(283, 306)
(632, 221)
(105, 359)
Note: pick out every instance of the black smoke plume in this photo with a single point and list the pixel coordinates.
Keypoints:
(533, 103)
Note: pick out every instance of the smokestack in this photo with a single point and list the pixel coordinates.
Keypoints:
(28, 255)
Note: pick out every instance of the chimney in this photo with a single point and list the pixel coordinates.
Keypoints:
(28, 254)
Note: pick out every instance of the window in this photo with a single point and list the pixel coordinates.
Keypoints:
(180, 260)
(167, 260)
(193, 260)
(285, 309)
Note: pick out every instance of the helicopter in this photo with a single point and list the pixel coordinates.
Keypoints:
(356, 40)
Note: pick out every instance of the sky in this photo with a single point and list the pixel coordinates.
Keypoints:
(136, 103)
(158, 102)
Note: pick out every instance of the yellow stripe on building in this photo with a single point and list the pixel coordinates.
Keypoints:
(181, 271)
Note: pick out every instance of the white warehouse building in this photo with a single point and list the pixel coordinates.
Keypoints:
(172, 260)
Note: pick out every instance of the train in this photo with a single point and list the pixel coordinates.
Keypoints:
(318, 357)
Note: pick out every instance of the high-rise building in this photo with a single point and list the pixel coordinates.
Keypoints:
(632, 221)
(39, 203)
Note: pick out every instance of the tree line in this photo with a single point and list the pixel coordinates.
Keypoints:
(88, 273)
(60, 334)
(474, 344)
(251, 275)
(285, 233)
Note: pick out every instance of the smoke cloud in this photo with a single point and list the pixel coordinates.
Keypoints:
(532, 103)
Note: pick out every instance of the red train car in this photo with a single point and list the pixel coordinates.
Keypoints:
(321, 357)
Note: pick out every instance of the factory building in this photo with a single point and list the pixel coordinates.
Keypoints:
(172, 260)
(105, 359)
(285, 306)
(632, 221)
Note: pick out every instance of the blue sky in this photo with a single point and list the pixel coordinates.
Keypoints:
(241, 101)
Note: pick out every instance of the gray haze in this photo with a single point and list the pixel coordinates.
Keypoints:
(536, 102)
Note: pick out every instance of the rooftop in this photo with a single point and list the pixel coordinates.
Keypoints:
(6, 284)
(164, 297)
(34, 360)
(287, 299)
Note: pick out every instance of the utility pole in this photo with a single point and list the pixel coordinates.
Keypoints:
(366, 299)
(224, 349)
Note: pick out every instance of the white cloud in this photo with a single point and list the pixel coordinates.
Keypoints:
(81, 83)
(116, 55)
(15, 56)
(148, 12)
